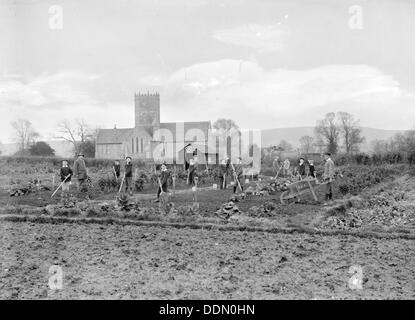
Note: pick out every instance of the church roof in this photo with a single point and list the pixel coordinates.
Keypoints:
(107, 136)
(113, 135)
(202, 125)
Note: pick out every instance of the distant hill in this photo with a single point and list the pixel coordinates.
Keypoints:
(62, 148)
(272, 137)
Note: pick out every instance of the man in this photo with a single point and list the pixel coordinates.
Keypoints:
(128, 174)
(66, 174)
(80, 172)
(223, 170)
(116, 169)
(238, 176)
(164, 179)
(328, 176)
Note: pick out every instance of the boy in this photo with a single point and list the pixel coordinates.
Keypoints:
(192, 172)
(116, 169)
(66, 174)
(128, 174)
(286, 167)
(301, 168)
(238, 175)
(163, 178)
(311, 168)
(222, 173)
(328, 176)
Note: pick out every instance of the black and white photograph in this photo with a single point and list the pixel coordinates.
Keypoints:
(220, 151)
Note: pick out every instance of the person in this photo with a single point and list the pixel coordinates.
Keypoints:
(222, 173)
(191, 172)
(163, 178)
(301, 168)
(66, 174)
(286, 167)
(312, 169)
(276, 164)
(116, 169)
(128, 175)
(328, 177)
(238, 175)
(80, 172)
(294, 174)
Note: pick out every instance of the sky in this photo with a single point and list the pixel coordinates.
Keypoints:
(263, 63)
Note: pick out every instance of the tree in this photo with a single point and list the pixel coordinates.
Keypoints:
(78, 134)
(327, 131)
(225, 125)
(351, 132)
(306, 144)
(41, 148)
(380, 146)
(25, 135)
(285, 146)
(88, 148)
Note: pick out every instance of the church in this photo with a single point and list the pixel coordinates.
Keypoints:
(152, 140)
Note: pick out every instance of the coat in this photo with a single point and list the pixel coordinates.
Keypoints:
(238, 171)
(66, 171)
(79, 169)
(329, 169)
(164, 177)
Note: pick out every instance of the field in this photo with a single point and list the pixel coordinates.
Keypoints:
(216, 246)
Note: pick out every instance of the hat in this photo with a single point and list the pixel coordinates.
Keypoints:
(128, 158)
(81, 154)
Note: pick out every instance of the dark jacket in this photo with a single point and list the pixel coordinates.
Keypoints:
(128, 170)
(301, 169)
(65, 171)
(312, 170)
(223, 169)
(164, 177)
(117, 169)
(79, 169)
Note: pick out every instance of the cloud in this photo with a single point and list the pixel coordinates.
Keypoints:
(262, 38)
(257, 97)
(47, 91)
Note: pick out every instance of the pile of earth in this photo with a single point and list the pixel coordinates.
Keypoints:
(21, 189)
(387, 209)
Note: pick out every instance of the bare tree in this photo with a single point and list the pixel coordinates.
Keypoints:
(25, 134)
(328, 132)
(306, 144)
(351, 131)
(78, 133)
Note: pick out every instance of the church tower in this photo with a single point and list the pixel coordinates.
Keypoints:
(147, 110)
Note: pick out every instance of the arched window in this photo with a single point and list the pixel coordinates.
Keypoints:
(136, 145)
(132, 145)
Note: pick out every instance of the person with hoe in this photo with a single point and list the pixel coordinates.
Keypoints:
(163, 180)
(66, 174)
(128, 176)
(328, 177)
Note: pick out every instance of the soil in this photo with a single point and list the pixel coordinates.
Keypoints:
(132, 262)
